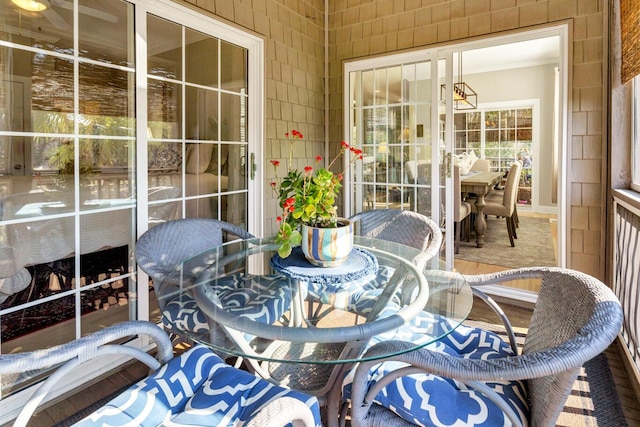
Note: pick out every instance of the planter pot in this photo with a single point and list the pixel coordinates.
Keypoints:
(327, 247)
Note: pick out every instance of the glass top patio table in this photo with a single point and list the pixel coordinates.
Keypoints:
(327, 315)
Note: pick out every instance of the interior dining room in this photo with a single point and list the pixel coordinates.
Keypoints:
(118, 116)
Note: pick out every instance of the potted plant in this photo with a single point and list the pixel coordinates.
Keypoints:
(307, 199)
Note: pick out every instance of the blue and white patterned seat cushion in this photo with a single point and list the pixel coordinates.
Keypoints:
(261, 298)
(430, 400)
(358, 296)
(195, 389)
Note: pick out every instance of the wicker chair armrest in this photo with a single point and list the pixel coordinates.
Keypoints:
(76, 352)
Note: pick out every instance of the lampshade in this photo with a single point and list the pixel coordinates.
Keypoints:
(30, 5)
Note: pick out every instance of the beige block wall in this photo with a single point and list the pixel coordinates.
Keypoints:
(294, 64)
(293, 31)
(361, 28)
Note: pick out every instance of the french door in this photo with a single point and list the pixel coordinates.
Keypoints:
(399, 112)
(114, 116)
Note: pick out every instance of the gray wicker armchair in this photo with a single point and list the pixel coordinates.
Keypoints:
(167, 244)
(401, 226)
(575, 318)
(195, 388)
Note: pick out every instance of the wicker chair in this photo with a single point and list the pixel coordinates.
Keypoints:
(195, 388)
(575, 318)
(401, 226)
(164, 246)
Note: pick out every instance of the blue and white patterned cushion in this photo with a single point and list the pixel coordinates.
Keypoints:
(430, 400)
(197, 388)
(262, 298)
(358, 296)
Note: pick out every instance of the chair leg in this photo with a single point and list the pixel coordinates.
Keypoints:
(456, 245)
(515, 215)
(510, 230)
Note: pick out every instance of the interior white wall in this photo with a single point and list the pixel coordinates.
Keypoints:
(535, 82)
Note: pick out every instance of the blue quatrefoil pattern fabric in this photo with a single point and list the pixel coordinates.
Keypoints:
(430, 400)
(195, 389)
(261, 298)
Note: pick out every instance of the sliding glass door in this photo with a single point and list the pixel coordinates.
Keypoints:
(113, 118)
(398, 118)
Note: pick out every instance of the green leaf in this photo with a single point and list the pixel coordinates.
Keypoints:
(284, 250)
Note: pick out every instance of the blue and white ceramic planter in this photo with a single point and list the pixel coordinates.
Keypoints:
(327, 247)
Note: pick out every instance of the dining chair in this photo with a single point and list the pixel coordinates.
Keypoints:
(194, 388)
(473, 377)
(505, 206)
(167, 244)
(498, 192)
(461, 210)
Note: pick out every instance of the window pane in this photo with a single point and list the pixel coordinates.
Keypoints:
(106, 101)
(164, 106)
(201, 59)
(233, 70)
(202, 119)
(164, 44)
(50, 29)
(105, 29)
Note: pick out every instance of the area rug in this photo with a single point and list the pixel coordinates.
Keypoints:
(533, 247)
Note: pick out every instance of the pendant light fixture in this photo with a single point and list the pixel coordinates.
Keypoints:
(464, 98)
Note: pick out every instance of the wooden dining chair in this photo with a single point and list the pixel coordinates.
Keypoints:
(505, 206)
(472, 377)
(461, 210)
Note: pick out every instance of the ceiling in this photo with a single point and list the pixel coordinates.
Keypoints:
(514, 55)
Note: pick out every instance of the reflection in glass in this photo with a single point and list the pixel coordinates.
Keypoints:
(115, 117)
(164, 110)
(50, 29)
(234, 209)
(201, 58)
(104, 29)
(234, 75)
(233, 117)
(205, 207)
(202, 119)
(105, 250)
(17, 325)
(164, 44)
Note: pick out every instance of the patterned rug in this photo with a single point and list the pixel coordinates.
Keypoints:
(533, 247)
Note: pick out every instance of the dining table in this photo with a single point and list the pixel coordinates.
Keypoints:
(480, 184)
(330, 315)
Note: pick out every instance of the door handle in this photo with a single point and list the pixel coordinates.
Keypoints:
(253, 166)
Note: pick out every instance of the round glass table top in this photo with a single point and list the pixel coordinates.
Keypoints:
(242, 299)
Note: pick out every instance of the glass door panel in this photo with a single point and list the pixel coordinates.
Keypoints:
(211, 135)
(67, 224)
(391, 111)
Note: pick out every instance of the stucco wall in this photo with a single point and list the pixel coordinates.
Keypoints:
(360, 28)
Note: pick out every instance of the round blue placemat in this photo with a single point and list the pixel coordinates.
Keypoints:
(359, 264)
